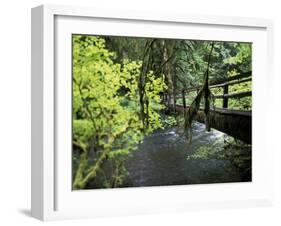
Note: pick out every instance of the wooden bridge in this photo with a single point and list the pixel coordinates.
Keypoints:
(235, 123)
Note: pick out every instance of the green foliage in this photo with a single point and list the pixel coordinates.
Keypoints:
(82, 132)
(106, 109)
(242, 58)
(184, 62)
(237, 62)
(228, 59)
(226, 148)
(119, 84)
(244, 103)
(210, 151)
(169, 121)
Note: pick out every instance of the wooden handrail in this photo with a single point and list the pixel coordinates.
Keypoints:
(236, 77)
(226, 81)
(230, 83)
(234, 95)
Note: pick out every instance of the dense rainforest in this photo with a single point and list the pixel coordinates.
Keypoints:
(129, 92)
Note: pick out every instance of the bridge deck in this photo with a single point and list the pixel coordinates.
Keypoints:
(235, 123)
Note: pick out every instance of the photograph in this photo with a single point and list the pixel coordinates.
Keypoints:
(150, 111)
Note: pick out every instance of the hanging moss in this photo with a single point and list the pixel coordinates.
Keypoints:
(205, 93)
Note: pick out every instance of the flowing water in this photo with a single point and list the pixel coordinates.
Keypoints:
(162, 160)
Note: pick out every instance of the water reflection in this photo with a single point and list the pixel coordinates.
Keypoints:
(162, 160)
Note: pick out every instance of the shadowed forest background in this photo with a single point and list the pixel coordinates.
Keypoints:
(152, 112)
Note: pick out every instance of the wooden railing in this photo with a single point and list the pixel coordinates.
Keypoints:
(224, 83)
(236, 123)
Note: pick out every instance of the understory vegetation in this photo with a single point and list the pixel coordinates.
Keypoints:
(227, 148)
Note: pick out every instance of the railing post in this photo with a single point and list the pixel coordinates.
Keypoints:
(169, 101)
(225, 99)
(183, 99)
(164, 97)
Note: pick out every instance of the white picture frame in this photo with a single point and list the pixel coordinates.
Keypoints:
(52, 197)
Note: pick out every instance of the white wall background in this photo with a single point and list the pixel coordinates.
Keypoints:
(15, 111)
